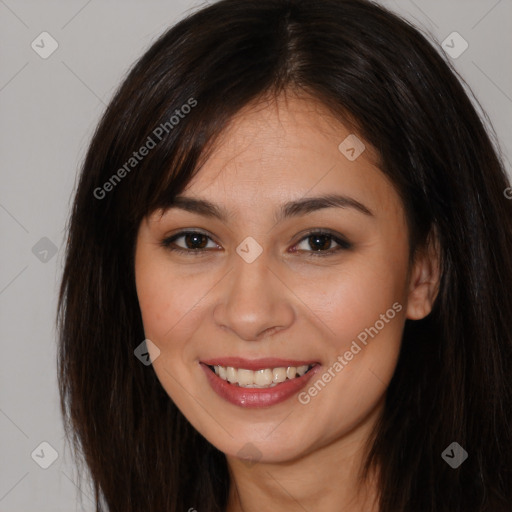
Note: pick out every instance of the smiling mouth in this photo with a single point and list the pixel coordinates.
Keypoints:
(264, 378)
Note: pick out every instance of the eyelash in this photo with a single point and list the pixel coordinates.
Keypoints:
(343, 244)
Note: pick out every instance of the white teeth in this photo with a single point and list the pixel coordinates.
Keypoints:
(245, 377)
(266, 378)
(279, 374)
(301, 370)
(263, 377)
(231, 374)
(291, 371)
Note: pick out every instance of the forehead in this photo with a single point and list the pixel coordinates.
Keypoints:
(276, 134)
(278, 151)
(287, 143)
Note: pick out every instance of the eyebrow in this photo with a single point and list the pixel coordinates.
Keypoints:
(290, 209)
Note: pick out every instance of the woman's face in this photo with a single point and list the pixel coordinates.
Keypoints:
(258, 288)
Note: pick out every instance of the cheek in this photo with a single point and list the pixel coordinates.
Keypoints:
(171, 302)
(166, 302)
(362, 315)
(355, 296)
(167, 310)
(162, 297)
(154, 299)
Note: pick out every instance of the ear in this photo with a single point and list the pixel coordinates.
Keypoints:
(424, 279)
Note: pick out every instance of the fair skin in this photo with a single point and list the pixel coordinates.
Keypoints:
(286, 303)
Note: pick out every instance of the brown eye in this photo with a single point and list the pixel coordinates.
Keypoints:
(319, 243)
(194, 242)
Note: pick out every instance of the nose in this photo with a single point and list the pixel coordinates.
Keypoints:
(254, 302)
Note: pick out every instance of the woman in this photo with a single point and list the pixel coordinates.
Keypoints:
(292, 210)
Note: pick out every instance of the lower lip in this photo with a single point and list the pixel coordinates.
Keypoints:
(257, 397)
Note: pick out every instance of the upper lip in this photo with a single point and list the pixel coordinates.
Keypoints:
(256, 364)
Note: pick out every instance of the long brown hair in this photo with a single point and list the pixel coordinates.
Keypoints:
(453, 381)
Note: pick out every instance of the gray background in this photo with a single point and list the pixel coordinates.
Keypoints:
(48, 110)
